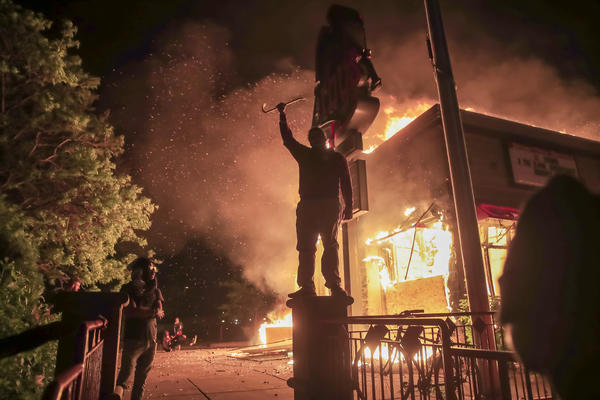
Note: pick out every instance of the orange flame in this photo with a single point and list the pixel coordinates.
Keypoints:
(397, 120)
(436, 246)
(285, 321)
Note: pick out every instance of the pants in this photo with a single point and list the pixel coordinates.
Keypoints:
(141, 353)
(316, 217)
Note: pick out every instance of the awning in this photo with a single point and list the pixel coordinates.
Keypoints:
(491, 211)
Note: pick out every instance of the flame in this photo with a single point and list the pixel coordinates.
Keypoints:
(386, 281)
(409, 211)
(431, 253)
(370, 149)
(285, 321)
(383, 353)
(397, 120)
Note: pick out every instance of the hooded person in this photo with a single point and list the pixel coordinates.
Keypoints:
(139, 338)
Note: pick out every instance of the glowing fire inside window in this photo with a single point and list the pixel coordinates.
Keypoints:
(431, 248)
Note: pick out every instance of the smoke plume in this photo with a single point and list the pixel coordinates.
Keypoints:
(214, 163)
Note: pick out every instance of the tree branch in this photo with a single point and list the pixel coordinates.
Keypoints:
(37, 142)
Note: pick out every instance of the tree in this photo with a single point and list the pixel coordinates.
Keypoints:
(63, 207)
(205, 289)
(247, 303)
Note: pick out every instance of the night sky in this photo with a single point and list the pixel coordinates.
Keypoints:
(184, 81)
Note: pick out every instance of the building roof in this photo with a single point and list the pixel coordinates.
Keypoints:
(474, 122)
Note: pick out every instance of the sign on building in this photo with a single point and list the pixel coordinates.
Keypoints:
(535, 166)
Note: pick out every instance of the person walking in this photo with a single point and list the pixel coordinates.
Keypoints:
(323, 174)
(139, 344)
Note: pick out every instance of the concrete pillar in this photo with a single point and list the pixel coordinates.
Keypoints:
(322, 353)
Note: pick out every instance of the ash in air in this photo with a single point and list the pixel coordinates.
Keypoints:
(214, 163)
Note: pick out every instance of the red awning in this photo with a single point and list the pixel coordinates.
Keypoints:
(491, 211)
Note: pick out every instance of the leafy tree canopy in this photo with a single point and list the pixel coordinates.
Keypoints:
(57, 167)
(63, 207)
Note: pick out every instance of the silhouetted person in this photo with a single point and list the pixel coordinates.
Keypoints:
(139, 339)
(323, 172)
(177, 327)
(549, 287)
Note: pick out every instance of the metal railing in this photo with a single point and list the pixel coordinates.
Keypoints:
(82, 381)
(433, 356)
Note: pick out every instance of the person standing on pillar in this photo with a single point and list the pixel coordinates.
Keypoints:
(139, 341)
(323, 173)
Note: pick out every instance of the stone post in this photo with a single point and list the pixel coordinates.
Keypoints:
(322, 352)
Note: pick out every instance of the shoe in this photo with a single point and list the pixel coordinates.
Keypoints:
(302, 293)
(337, 291)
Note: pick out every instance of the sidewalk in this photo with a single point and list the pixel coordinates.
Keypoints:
(213, 374)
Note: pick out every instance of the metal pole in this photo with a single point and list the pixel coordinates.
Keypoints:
(460, 175)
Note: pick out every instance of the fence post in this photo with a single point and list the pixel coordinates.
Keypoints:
(504, 382)
(322, 355)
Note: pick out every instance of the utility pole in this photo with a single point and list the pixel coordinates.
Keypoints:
(460, 175)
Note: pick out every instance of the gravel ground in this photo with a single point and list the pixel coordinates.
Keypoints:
(214, 374)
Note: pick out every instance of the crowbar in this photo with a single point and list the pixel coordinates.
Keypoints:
(287, 104)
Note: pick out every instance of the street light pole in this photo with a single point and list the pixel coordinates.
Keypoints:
(460, 175)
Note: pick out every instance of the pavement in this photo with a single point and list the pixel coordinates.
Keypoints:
(216, 374)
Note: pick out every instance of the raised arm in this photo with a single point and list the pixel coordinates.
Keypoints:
(346, 186)
(286, 133)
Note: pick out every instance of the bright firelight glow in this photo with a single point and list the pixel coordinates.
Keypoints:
(285, 321)
(432, 252)
(424, 352)
(397, 120)
(369, 150)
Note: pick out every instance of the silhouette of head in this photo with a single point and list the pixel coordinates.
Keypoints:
(142, 266)
(316, 138)
(549, 286)
(337, 15)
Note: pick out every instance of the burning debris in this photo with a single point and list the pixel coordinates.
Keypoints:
(412, 263)
(276, 331)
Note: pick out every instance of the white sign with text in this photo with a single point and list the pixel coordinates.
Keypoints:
(535, 166)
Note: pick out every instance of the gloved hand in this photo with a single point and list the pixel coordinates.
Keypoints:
(280, 107)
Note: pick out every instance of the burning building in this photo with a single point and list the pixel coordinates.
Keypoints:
(401, 254)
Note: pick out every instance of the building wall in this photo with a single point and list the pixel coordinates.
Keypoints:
(411, 170)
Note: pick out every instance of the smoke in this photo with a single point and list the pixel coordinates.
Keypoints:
(211, 159)
(214, 163)
(490, 80)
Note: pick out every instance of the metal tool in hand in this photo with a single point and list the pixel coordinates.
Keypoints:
(286, 104)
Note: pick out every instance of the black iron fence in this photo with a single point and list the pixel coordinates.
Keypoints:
(88, 344)
(434, 356)
(82, 380)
